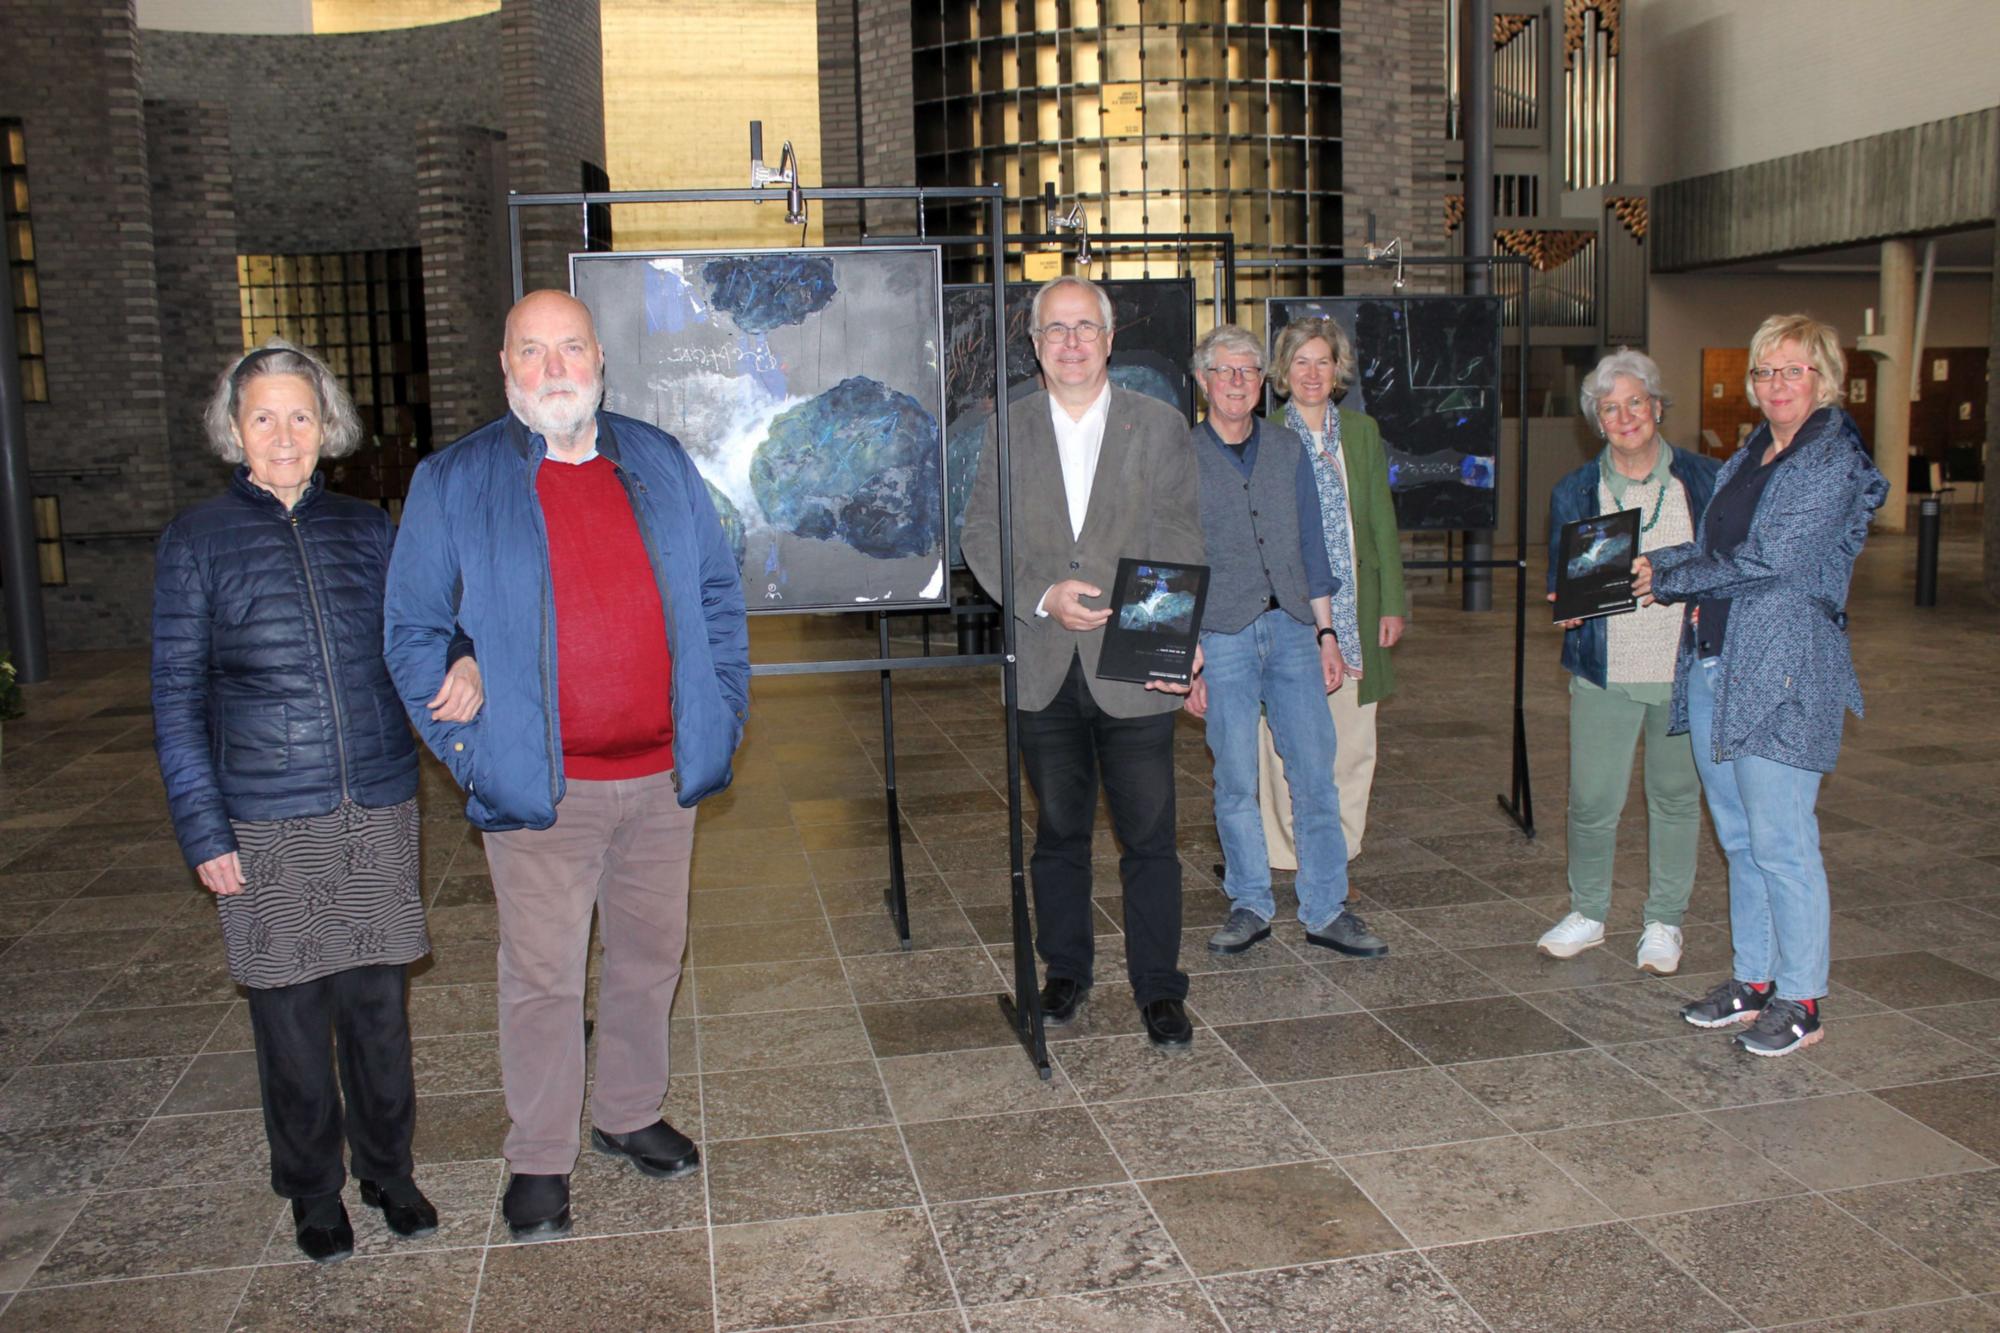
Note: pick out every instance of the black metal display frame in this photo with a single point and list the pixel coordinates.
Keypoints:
(1225, 243)
(1023, 1008)
(1519, 804)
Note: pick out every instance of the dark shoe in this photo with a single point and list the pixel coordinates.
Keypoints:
(1784, 1026)
(536, 1206)
(1167, 1025)
(1348, 934)
(324, 1234)
(1062, 999)
(1731, 1002)
(1243, 929)
(403, 1206)
(658, 1150)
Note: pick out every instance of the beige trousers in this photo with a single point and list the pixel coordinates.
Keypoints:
(1353, 774)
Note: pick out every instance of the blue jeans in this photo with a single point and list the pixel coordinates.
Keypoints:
(1763, 813)
(1273, 663)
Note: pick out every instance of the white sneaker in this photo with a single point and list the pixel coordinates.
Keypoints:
(1660, 949)
(1571, 936)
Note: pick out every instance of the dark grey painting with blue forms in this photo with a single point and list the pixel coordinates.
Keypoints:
(1149, 355)
(1428, 370)
(807, 387)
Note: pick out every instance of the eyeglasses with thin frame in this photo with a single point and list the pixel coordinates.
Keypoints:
(1085, 331)
(1791, 374)
(1637, 406)
(1236, 374)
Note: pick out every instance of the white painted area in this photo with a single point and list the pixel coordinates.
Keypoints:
(936, 584)
(1690, 311)
(266, 17)
(1714, 84)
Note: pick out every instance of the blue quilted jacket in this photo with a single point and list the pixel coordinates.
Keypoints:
(270, 700)
(1787, 674)
(473, 549)
(1586, 650)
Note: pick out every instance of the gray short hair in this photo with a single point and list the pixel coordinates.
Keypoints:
(1225, 338)
(1069, 280)
(1302, 331)
(1597, 384)
(340, 428)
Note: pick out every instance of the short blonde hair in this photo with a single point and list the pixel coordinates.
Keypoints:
(1296, 335)
(340, 428)
(1821, 344)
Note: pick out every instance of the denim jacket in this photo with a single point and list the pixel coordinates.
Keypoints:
(1787, 676)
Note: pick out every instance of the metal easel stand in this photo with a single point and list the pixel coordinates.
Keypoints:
(1519, 803)
(1023, 1007)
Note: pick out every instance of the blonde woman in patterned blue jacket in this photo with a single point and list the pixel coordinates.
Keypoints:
(1765, 678)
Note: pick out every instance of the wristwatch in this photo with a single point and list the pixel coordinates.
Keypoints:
(1327, 630)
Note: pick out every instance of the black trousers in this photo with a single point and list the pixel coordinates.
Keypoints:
(355, 1019)
(1067, 749)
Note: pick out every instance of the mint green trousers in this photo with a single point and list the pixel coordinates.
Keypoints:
(1604, 729)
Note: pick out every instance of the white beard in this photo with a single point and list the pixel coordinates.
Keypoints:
(558, 419)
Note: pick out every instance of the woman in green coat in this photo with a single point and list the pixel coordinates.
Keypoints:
(1313, 363)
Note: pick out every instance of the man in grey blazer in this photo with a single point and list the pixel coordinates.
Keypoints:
(1097, 473)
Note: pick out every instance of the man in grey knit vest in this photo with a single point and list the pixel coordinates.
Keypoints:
(1270, 588)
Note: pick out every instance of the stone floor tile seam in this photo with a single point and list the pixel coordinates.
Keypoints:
(1613, 1049)
(1830, 1196)
(707, 1197)
(846, 1321)
(1886, 1309)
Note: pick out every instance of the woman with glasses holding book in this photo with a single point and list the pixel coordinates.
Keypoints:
(1622, 671)
(1764, 676)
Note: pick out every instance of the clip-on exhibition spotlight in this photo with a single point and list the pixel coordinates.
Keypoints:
(1070, 221)
(1394, 249)
(786, 172)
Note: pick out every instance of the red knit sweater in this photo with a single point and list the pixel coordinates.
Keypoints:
(613, 669)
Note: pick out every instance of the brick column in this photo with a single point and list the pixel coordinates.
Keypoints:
(839, 135)
(552, 69)
(887, 123)
(194, 225)
(462, 229)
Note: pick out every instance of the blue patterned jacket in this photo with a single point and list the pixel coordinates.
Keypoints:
(1787, 675)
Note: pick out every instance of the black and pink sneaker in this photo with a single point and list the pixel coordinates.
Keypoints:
(1731, 1002)
(1784, 1026)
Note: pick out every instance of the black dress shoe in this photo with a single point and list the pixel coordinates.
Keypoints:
(324, 1234)
(1061, 998)
(536, 1206)
(403, 1206)
(658, 1150)
(1167, 1025)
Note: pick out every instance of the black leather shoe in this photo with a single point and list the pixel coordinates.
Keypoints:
(324, 1234)
(1061, 999)
(403, 1206)
(536, 1206)
(1167, 1025)
(658, 1150)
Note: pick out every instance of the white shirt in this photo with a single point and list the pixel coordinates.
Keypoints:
(1079, 440)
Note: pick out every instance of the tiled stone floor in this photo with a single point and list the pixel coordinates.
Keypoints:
(1464, 1136)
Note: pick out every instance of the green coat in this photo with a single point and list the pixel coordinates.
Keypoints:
(1378, 549)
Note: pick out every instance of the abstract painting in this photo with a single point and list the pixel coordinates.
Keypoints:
(1428, 370)
(1149, 355)
(807, 387)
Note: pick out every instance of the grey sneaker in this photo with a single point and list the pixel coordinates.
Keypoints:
(1348, 934)
(1243, 929)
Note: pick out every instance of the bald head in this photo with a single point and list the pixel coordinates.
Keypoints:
(553, 366)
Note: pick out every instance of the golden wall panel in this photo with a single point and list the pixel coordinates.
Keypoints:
(383, 15)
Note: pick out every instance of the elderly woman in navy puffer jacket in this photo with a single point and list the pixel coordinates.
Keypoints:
(291, 776)
(1765, 677)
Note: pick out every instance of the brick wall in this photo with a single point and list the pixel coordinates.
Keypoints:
(886, 125)
(72, 78)
(321, 144)
(839, 136)
(552, 66)
(466, 290)
(1393, 149)
(194, 230)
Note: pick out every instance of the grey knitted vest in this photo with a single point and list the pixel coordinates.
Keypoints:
(1252, 530)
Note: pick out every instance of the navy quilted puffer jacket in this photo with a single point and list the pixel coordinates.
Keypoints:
(270, 697)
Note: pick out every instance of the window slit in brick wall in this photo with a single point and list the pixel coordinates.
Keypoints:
(363, 313)
(27, 291)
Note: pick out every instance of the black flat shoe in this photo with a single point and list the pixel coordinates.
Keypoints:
(536, 1206)
(403, 1206)
(1167, 1025)
(658, 1150)
(1061, 999)
(320, 1224)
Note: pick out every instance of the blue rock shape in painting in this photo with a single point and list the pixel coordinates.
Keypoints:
(857, 464)
(1146, 380)
(764, 293)
(963, 444)
(732, 521)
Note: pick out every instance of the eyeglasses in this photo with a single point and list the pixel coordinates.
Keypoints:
(1236, 374)
(1084, 331)
(1631, 407)
(1791, 374)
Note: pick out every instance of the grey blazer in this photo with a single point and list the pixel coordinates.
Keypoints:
(1144, 502)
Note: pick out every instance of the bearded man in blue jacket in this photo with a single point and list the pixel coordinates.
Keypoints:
(579, 549)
